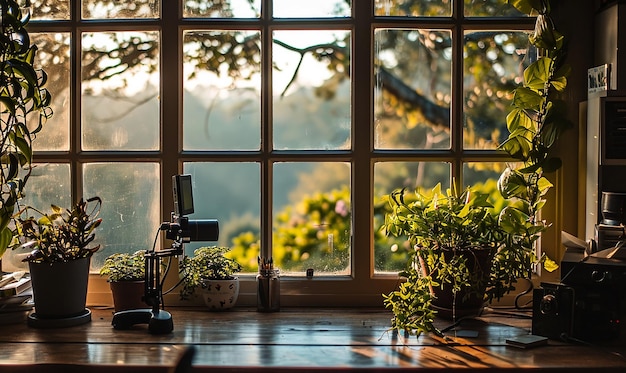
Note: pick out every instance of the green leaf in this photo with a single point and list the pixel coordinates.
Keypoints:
(526, 98)
(24, 70)
(6, 235)
(538, 73)
(544, 185)
(8, 103)
(23, 146)
(544, 36)
(550, 132)
(550, 265)
(527, 6)
(13, 166)
(512, 184)
(517, 119)
(559, 84)
(516, 147)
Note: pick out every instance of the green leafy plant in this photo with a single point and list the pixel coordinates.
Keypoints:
(24, 108)
(61, 235)
(125, 266)
(535, 122)
(207, 263)
(446, 231)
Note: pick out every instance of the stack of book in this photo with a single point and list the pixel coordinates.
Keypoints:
(15, 297)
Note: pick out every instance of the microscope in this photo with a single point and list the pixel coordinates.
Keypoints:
(180, 230)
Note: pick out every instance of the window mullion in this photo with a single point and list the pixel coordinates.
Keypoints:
(456, 107)
(171, 95)
(266, 161)
(363, 142)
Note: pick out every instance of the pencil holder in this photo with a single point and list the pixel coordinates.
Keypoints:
(268, 290)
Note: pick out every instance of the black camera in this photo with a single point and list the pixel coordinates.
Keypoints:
(576, 312)
(181, 229)
(187, 230)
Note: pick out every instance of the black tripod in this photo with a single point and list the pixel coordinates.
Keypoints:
(159, 321)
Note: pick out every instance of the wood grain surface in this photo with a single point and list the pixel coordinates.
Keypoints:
(290, 340)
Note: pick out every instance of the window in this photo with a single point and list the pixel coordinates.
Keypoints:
(294, 121)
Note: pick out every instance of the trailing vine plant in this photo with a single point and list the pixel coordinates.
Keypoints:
(535, 122)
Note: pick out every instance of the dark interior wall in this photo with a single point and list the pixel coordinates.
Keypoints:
(575, 19)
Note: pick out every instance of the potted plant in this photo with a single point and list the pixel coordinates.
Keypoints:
(453, 239)
(24, 108)
(536, 120)
(213, 274)
(60, 244)
(126, 274)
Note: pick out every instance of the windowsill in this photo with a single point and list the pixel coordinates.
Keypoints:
(306, 339)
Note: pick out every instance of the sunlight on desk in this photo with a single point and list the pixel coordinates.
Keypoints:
(293, 339)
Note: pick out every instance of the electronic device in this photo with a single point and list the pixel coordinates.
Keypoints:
(589, 302)
(183, 195)
(180, 230)
(181, 227)
(576, 313)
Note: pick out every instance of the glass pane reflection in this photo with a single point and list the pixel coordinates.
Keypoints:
(390, 253)
(312, 223)
(412, 94)
(130, 194)
(311, 9)
(222, 90)
(222, 9)
(99, 9)
(413, 8)
(53, 55)
(120, 96)
(493, 67)
(311, 87)
(230, 193)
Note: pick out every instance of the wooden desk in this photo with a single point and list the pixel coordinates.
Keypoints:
(307, 339)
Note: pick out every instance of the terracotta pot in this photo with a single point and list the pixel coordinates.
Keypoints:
(128, 295)
(60, 289)
(469, 301)
(219, 295)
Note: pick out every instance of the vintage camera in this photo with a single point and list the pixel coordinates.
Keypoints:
(576, 313)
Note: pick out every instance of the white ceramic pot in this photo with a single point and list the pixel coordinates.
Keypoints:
(219, 295)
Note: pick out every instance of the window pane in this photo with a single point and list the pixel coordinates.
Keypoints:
(312, 222)
(53, 56)
(413, 8)
(222, 85)
(494, 63)
(490, 8)
(49, 184)
(50, 9)
(98, 9)
(120, 91)
(130, 206)
(311, 87)
(412, 92)
(230, 193)
(222, 9)
(390, 253)
(311, 9)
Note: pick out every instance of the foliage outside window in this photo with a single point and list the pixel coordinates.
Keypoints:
(369, 97)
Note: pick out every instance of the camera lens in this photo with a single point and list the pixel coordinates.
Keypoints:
(549, 305)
